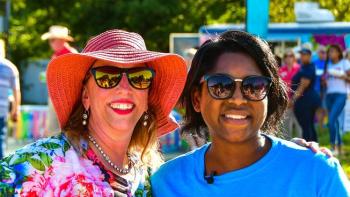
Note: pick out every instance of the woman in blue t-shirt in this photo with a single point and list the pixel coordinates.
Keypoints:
(234, 92)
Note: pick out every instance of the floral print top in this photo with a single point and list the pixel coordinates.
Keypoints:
(52, 167)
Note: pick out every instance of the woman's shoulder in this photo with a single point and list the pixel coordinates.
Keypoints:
(33, 159)
(325, 173)
(292, 151)
(55, 145)
(325, 170)
(181, 164)
(343, 63)
(346, 64)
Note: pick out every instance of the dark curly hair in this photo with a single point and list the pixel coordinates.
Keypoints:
(338, 48)
(205, 60)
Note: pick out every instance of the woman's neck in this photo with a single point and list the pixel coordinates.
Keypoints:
(115, 148)
(224, 156)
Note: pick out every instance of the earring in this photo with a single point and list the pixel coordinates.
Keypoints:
(145, 119)
(85, 117)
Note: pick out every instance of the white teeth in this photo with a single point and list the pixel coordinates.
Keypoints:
(238, 117)
(121, 106)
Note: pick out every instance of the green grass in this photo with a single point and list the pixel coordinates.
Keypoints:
(323, 137)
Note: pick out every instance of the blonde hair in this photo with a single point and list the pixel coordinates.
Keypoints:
(143, 142)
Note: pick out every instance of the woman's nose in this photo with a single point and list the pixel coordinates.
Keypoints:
(237, 96)
(124, 83)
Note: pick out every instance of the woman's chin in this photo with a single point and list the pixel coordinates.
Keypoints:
(236, 135)
(123, 126)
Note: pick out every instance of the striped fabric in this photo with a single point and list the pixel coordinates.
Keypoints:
(8, 81)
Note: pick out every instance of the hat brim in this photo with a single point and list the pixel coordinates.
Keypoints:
(49, 35)
(305, 52)
(66, 73)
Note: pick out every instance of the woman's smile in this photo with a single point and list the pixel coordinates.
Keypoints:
(122, 106)
(235, 119)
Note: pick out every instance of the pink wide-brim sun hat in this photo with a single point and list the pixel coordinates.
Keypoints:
(65, 74)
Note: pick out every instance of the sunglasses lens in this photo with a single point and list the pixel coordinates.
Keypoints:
(255, 88)
(107, 77)
(220, 86)
(141, 78)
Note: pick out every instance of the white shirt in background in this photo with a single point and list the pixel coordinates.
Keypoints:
(334, 84)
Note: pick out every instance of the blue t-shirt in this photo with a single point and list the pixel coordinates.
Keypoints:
(309, 97)
(319, 66)
(286, 170)
(306, 71)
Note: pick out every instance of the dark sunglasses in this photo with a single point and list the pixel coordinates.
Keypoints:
(223, 86)
(107, 77)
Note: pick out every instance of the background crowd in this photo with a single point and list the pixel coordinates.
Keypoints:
(318, 82)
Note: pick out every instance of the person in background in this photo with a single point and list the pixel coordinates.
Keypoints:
(305, 99)
(59, 38)
(287, 72)
(347, 54)
(319, 66)
(9, 80)
(342, 115)
(337, 78)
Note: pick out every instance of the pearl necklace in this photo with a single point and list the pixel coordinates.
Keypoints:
(122, 171)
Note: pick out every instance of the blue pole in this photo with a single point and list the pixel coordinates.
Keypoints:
(257, 17)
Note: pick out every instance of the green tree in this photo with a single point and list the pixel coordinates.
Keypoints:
(153, 19)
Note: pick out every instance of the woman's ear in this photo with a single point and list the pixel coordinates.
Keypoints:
(196, 98)
(85, 98)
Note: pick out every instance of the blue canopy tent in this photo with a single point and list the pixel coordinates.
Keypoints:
(285, 31)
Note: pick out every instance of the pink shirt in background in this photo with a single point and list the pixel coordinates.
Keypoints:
(65, 50)
(287, 75)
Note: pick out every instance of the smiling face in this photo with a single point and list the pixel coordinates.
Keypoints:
(118, 108)
(235, 119)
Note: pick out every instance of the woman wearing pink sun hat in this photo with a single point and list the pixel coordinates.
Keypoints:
(112, 100)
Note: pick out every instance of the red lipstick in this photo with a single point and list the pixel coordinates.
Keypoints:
(122, 106)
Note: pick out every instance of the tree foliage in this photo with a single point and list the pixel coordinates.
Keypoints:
(153, 19)
(283, 10)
